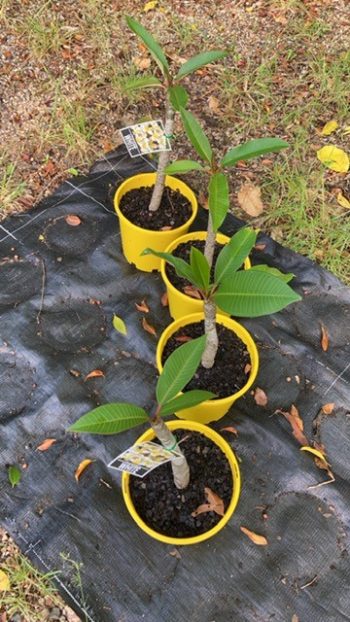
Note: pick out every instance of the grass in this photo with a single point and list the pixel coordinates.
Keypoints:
(10, 188)
(27, 585)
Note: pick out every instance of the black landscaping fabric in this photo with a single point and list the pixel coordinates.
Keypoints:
(59, 288)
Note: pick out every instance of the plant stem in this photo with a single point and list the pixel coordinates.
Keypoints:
(209, 242)
(179, 464)
(211, 347)
(163, 161)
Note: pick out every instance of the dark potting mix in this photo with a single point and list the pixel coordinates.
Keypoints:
(173, 212)
(168, 510)
(232, 363)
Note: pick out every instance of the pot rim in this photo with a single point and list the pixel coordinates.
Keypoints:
(147, 177)
(236, 485)
(230, 323)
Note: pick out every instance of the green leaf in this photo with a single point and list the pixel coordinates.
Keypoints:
(110, 419)
(183, 166)
(234, 253)
(253, 149)
(196, 135)
(182, 268)
(250, 293)
(218, 199)
(119, 325)
(178, 97)
(284, 276)
(150, 43)
(142, 83)
(198, 61)
(200, 268)
(73, 171)
(14, 475)
(179, 368)
(186, 400)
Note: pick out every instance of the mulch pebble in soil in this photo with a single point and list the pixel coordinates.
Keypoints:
(168, 510)
(174, 209)
(228, 374)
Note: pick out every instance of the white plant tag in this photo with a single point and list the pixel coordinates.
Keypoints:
(143, 138)
(142, 458)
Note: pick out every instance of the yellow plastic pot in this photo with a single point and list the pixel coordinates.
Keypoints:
(134, 239)
(179, 303)
(236, 479)
(214, 409)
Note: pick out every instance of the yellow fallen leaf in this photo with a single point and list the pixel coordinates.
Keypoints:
(254, 537)
(81, 468)
(119, 325)
(329, 128)
(41, 237)
(315, 452)
(4, 582)
(343, 201)
(334, 158)
(149, 6)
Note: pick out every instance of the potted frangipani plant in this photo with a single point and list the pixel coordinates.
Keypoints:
(156, 208)
(191, 497)
(221, 286)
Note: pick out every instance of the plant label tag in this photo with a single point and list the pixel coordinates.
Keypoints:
(142, 458)
(143, 138)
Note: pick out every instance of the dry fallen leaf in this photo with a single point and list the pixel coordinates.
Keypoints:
(142, 63)
(81, 468)
(214, 504)
(294, 618)
(329, 128)
(164, 300)
(166, 228)
(254, 537)
(175, 553)
(324, 338)
(327, 409)
(183, 338)
(203, 200)
(296, 423)
(75, 372)
(214, 104)
(192, 291)
(343, 201)
(334, 158)
(142, 306)
(148, 327)
(73, 220)
(260, 247)
(260, 397)
(4, 582)
(46, 444)
(247, 368)
(249, 199)
(95, 373)
(229, 428)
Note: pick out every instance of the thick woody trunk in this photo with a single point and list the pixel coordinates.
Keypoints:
(212, 344)
(179, 465)
(163, 161)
